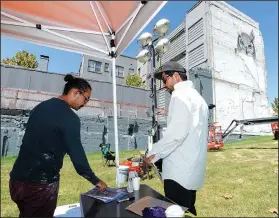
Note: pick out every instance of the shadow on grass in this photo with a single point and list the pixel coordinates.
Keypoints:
(111, 166)
(215, 150)
(245, 148)
(251, 148)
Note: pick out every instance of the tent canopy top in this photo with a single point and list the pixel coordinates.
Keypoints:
(85, 27)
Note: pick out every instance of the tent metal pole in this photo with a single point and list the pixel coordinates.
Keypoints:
(115, 121)
(115, 114)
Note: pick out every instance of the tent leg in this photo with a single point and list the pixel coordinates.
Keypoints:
(115, 121)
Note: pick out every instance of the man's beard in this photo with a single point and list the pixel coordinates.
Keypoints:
(166, 89)
(169, 90)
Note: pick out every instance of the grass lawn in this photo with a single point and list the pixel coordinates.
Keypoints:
(246, 171)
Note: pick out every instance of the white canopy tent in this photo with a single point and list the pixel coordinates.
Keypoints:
(97, 28)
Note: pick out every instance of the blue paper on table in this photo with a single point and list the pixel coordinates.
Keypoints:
(109, 195)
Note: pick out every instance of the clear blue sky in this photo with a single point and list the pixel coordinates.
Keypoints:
(264, 12)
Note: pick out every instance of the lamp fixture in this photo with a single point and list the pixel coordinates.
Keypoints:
(143, 56)
(145, 39)
(162, 46)
(161, 27)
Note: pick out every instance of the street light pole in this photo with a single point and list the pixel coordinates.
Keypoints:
(155, 127)
(149, 51)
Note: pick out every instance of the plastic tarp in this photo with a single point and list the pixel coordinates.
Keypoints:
(96, 28)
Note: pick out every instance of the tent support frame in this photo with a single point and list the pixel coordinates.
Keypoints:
(100, 8)
(115, 114)
(99, 24)
(43, 28)
(130, 24)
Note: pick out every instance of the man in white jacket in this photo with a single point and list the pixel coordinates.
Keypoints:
(184, 145)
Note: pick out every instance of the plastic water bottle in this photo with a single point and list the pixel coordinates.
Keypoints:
(130, 182)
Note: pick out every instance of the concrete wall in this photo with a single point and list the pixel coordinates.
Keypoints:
(12, 131)
(239, 78)
(123, 61)
(31, 79)
(28, 79)
(92, 133)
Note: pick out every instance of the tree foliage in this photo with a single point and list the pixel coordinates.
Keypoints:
(135, 81)
(23, 59)
(275, 105)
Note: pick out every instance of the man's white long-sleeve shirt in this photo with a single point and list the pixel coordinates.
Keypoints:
(183, 147)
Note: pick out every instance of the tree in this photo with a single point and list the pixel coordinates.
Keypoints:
(275, 105)
(134, 80)
(23, 59)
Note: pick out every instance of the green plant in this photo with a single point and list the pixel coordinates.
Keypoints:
(135, 81)
(23, 59)
(275, 106)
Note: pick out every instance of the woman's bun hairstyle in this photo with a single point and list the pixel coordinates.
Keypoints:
(68, 78)
(75, 83)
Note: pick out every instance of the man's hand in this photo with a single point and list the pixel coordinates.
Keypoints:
(149, 159)
(101, 185)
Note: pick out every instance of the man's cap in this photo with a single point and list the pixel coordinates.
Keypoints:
(169, 66)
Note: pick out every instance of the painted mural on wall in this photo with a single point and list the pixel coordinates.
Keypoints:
(239, 69)
(245, 43)
(133, 133)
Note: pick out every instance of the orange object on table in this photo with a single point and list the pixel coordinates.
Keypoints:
(126, 163)
(134, 168)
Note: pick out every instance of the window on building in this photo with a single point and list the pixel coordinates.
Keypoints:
(94, 66)
(131, 71)
(139, 71)
(119, 71)
(106, 67)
